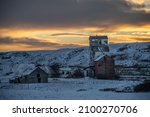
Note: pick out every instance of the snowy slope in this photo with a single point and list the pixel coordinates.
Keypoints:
(14, 64)
(131, 54)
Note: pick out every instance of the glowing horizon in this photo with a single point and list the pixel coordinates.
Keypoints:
(48, 29)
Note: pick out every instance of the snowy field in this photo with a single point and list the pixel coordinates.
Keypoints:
(72, 89)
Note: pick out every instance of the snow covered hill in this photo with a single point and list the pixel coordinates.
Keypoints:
(134, 54)
(18, 63)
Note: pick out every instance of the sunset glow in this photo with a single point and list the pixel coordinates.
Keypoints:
(48, 28)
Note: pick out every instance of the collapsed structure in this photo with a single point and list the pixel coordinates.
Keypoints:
(101, 63)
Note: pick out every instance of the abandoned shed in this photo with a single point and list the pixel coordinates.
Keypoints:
(65, 72)
(72, 72)
(38, 75)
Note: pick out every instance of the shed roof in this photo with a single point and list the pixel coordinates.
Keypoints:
(29, 71)
(44, 68)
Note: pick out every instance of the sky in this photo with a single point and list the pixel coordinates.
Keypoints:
(54, 24)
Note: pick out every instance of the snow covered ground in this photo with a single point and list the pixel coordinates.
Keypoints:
(72, 89)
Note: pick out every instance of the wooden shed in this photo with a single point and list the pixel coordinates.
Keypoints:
(38, 75)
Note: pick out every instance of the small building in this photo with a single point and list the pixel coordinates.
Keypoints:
(38, 75)
(104, 67)
(72, 72)
(65, 72)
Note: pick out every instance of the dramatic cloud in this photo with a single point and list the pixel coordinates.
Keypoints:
(135, 33)
(33, 43)
(139, 5)
(142, 39)
(68, 34)
(69, 13)
(53, 24)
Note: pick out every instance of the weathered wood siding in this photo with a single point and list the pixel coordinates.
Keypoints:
(104, 68)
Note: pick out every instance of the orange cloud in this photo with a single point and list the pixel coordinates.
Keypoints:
(12, 44)
(70, 36)
(139, 5)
